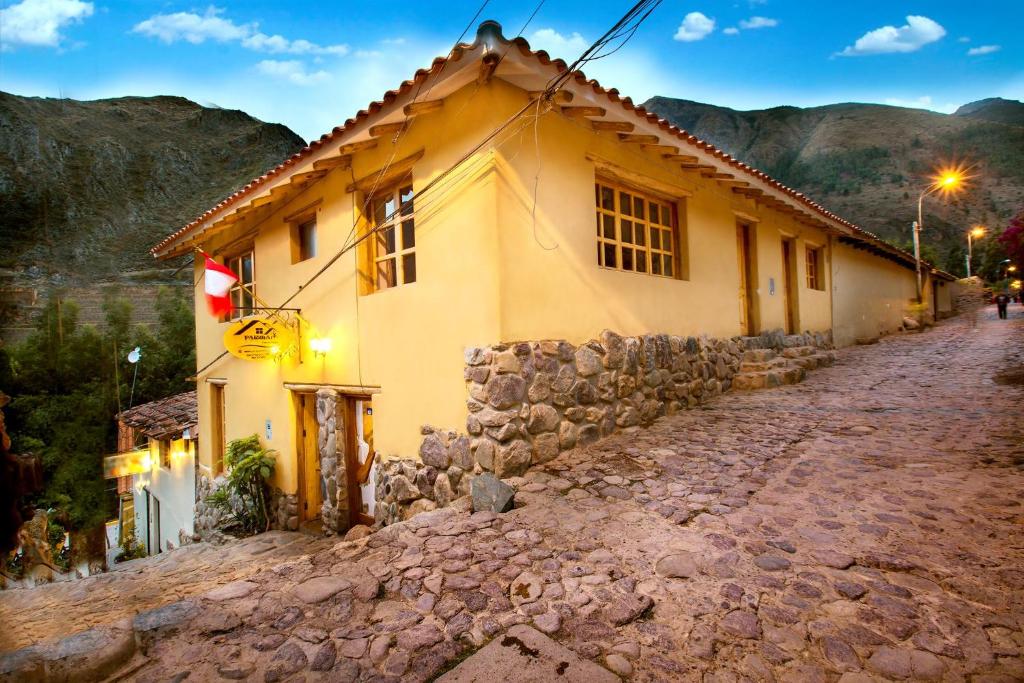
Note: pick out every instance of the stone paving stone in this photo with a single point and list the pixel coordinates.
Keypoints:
(865, 523)
(524, 655)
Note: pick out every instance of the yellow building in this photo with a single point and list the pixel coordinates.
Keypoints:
(458, 262)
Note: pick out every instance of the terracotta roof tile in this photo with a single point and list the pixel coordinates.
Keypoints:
(166, 418)
(524, 47)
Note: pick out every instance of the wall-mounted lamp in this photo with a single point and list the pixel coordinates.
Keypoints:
(321, 346)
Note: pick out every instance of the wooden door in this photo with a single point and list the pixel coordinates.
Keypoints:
(308, 458)
(217, 428)
(746, 294)
(789, 293)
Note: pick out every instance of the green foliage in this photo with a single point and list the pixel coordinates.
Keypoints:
(131, 549)
(839, 172)
(68, 382)
(59, 551)
(249, 467)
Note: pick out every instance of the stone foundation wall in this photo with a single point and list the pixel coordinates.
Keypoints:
(331, 447)
(529, 401)
(283, 509)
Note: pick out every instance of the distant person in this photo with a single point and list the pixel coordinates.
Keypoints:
(1002, 301)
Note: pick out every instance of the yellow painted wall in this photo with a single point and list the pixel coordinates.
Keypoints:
(871, 295)
(486, 273)
(552, 287)
(408, 340)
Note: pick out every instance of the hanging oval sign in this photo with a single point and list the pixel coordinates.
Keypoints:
(258, 339)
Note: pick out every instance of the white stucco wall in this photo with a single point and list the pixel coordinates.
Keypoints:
(174, 488)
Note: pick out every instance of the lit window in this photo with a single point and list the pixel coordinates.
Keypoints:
(814, 263)
(305, 234)
(394, 238)
(635, 232)
(242, 303)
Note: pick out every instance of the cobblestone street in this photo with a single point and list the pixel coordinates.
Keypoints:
(864, 525)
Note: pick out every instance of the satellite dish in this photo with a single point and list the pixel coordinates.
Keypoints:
(134, 355)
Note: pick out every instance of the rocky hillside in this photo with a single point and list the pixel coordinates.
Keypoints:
(868, 162)
(86, 188)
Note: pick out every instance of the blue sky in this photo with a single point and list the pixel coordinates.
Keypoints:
(311, 65)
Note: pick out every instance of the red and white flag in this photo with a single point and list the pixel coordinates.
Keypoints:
(219, 280)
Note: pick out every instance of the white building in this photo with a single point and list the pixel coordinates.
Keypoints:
(156, 471)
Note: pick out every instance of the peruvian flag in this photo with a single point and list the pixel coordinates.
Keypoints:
(219, 280)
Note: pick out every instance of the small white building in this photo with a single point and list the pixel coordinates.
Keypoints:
(156, 471)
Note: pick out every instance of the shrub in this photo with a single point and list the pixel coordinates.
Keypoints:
(243, 497)
(131, 549)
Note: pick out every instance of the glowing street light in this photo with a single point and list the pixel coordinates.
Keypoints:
(977, 232)
(946, 181)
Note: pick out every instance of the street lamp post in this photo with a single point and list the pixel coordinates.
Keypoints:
(975, 233)
(947, 181)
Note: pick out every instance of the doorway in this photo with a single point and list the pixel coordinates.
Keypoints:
(790, 300)
(745, 245)
(153, 512)
(359, 459)
(308, 458)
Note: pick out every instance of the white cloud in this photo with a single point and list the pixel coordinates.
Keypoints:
(291, 70)
(983, 50)
(192, 27)
(195, 28)
(759, 22)
(731, 31)
(38, 23)
(695, 26)
(554, 43)
(923, 102)
(963, 39)
(276, 44)
(912, 36)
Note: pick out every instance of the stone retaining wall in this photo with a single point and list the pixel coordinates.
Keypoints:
(283, 510)
(528, 401)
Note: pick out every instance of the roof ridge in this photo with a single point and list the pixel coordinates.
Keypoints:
(487, 31)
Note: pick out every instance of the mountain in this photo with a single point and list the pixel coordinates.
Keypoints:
(86, 188)
(869, 162)
(994, 109)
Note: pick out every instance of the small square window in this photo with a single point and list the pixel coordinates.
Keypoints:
(636, 232)
(306, 238)
(393, 247)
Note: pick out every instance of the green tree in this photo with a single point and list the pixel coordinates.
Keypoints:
(67, 381)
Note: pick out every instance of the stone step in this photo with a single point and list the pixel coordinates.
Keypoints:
(759, 355)
(767, 379)
(762, 366)
(799, 351)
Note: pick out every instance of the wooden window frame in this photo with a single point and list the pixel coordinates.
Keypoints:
(626, 244)
(239, 312)
(814, 261)
(298, 253)
(218, 427)
(402, 254)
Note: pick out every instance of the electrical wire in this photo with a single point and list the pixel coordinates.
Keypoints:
(627, 24)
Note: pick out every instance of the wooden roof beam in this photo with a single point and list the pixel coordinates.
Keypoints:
(419, 108)
(583, 112)
(386, 129)
(664, 150)
(613, 126)
(560, 97)
(639, 139)
(682, 158)
(488, 64)
(331, 163)
(353, 147)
